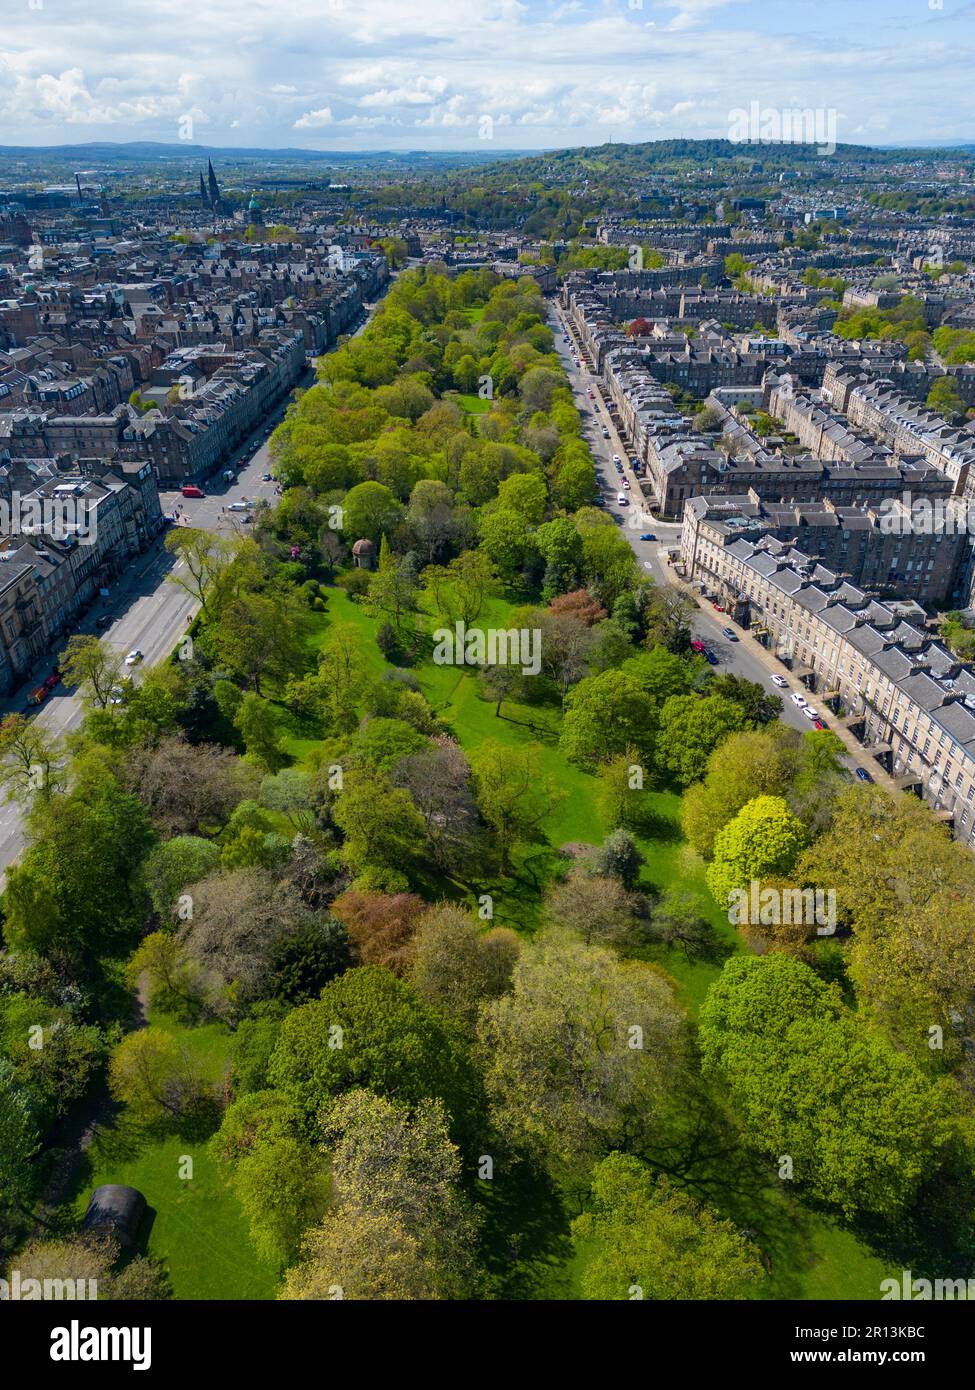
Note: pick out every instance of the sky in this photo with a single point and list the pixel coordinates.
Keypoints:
(478, 74)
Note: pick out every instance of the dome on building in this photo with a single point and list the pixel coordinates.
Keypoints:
(362, 547)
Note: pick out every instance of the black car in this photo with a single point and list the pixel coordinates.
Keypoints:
(104, 620)
(863, 775)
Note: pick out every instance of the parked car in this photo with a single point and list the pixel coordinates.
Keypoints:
(809, 712)
(621, 498)
(266, 478)
(710, 656)
(134, 657)
(103, 620)
(191, 490)
(819, 724)
(730, 633)
(798, 699)
(239, 507)
(649, 536)
(626, 481)
(863, 775)
(780, 681)
(617, 459)
(605, 432)
(696, 644)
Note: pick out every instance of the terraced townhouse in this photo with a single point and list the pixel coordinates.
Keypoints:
(901, 692)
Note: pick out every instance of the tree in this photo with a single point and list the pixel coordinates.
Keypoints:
(370, 511)
(618, 857)
(856, 1120)
(513, 794)
(764, 840)
(94, 667)
(379, 822)
(174, 984)
(18, 1139)
(456, 965)
(567, 641)
(151, 1073)
(598, 910)
(29, 759)
(380, 926)
(508, 541)
(679, 919)
(175, 863)
(282, 1189)
(203, 556)
(237, 921)
(460, 589)
(745, 765)
(371, 1029)
(526, 495)
(188, 787)
(438, 779)
(606, 714)
(258, 724)
(579, 1055)
(758, 707)
(76, 890)
(259, 637)
(303, 962)
(402, 1167)
(945, 398)
(644, 1234)
(291, 793)
(690, 729)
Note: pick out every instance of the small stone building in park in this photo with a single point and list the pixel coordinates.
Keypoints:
(362, 553)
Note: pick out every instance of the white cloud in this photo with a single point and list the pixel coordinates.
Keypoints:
(313, 120)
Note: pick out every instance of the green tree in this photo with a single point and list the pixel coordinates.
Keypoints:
(855, 1119)
(764, 840)
(690, 730)
(644, 1234)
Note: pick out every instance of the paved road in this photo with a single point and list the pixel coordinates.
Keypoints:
(148, 610)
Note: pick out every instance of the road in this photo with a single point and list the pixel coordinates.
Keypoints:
(148, 611)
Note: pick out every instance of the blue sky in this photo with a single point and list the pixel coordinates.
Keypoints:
(469, 74)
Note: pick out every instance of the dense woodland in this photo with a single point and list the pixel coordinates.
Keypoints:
(429, 968)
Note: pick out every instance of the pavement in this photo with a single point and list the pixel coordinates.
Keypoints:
(744, 657)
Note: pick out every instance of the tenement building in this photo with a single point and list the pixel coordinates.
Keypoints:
(900, 691)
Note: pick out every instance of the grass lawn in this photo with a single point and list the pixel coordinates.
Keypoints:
(195, 1225)
(473, 404)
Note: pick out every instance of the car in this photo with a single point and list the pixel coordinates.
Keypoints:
(134, 657)
(191, 490)
(626, 482)
(116, 695)
(266, 478)
(238, 507)
(780, 681)
(730, 633)
(863, 775)
(649, 536)
(621, 499)
(103, 620)
(697, 645)
(605, 432)
(820, 725)
(617, 459)
(710, 656)
(809, 712)
(798, 699)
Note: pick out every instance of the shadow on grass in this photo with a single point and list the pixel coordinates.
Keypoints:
(526, 1243)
